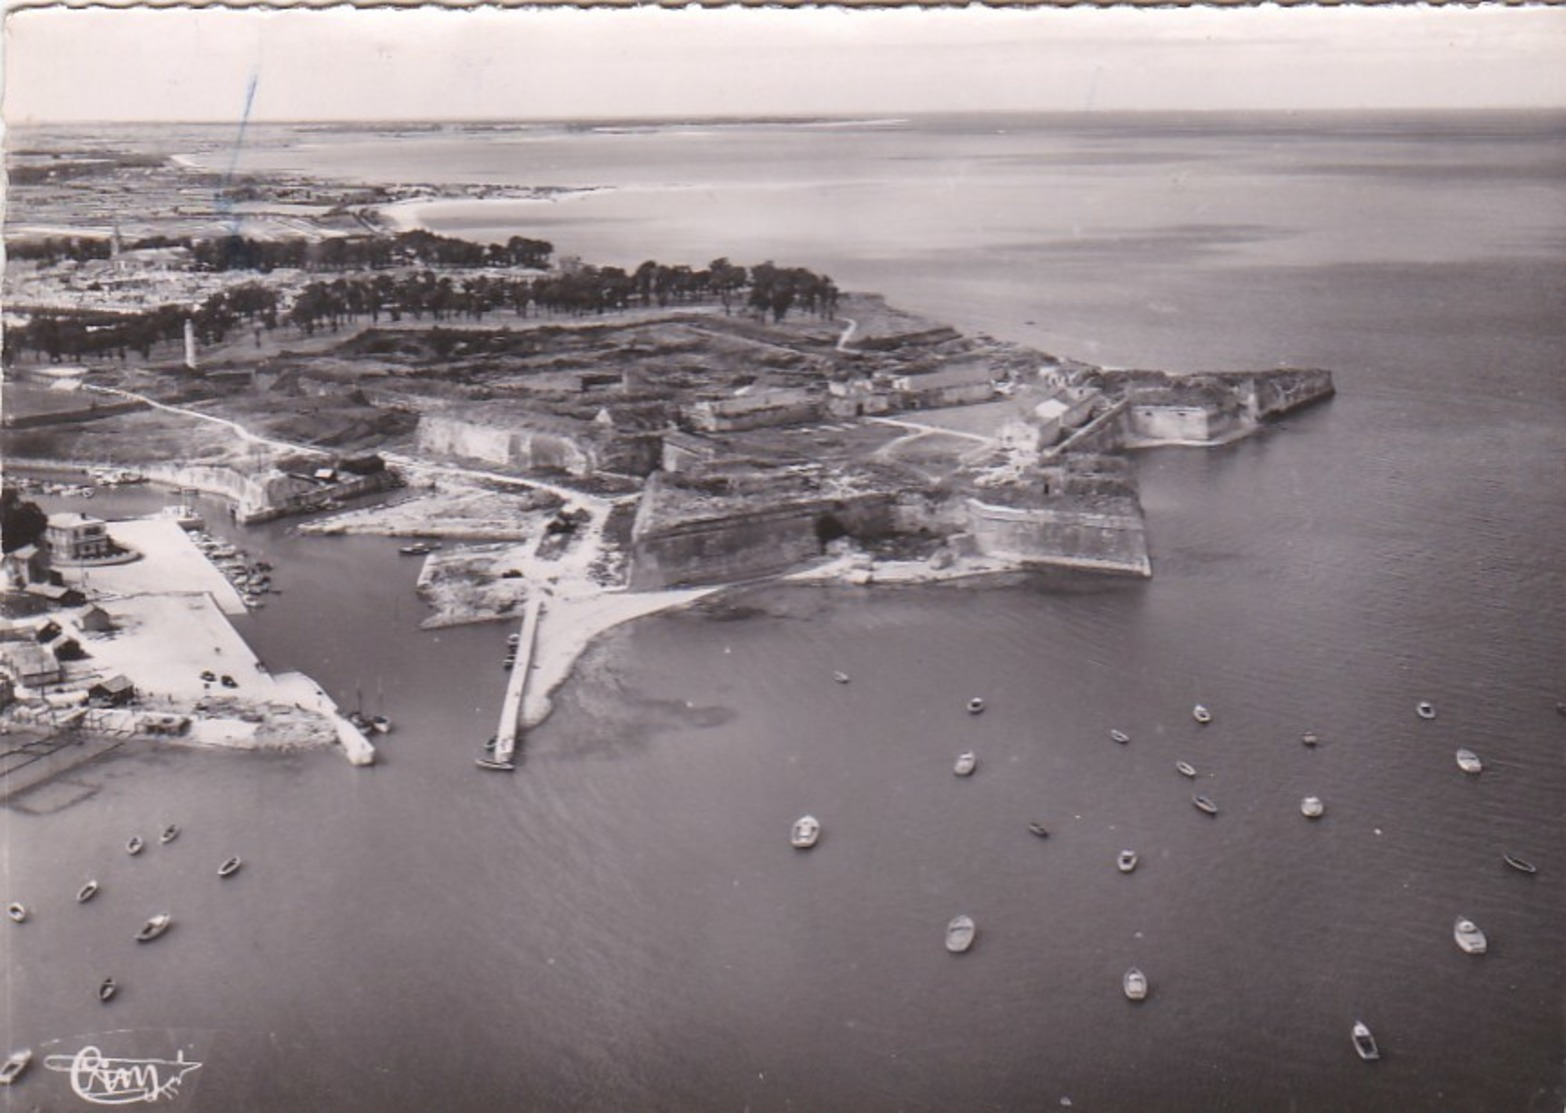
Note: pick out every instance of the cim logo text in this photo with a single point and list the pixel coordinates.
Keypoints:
(105, 1081)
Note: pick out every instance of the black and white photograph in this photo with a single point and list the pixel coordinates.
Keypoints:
(815, 559)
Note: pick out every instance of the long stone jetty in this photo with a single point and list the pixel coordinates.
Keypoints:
(516, 687)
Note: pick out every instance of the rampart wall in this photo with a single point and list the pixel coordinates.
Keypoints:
(1091, 540)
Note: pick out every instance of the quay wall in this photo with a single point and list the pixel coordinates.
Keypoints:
(1091, 540)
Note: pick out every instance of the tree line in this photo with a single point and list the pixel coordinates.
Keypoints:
(574, 289)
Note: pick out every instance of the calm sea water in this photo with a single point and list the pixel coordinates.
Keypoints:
(623, 924)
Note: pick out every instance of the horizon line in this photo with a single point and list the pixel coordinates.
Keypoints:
(887, 116)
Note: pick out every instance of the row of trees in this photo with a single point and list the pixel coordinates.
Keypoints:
(576, 290)
(416, 248)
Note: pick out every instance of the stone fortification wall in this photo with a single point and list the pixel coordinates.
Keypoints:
(454, 437)
(249, 492)
(746, 544)
(269, 495)
(1268, 395)
(1105, 434)
(1091, 540)
(724, 549)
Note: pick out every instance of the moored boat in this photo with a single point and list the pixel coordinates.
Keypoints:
(86, 892)
(381, 723)
(1186, 770)
(1470, 939)
(16, 912)
(134, 846)
(15, 1064)
(1311, 807)
(1201, 713)
(154, 927)
(966, 763)
(495, 765)
(229, 867)
(1365, 1043)
(107, 989)
(1204, 804)
(1135, 984)
(1519, 864)
(959, 934)
(1425, 710)
(1118, 737)
(1126, 860)
(170, 832)
(806, 832)
(975, 705)
(1469, 761)
(415, 549)
(1038, 830)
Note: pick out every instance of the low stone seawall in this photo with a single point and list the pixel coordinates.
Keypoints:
(1090, 540)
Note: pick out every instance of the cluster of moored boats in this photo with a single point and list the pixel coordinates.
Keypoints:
(155, 927)
(961, 931)
(251, 579)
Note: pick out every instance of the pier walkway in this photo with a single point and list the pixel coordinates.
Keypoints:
(516, 686)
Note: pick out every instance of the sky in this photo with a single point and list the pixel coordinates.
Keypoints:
(355, 64)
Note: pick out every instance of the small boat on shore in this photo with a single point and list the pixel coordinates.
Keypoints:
(134, 846)
(1186, 770)
(154, 927)
(229, 867)
(966, 763)
(1038, 830)
(1134, 984)
(1470, 939)
(1310, 740)
(1469, 761)
(1118, 737)
(1519, 864)
(975, 705)
(805, 832)
(838, 676)
(87, 892)
(107, 989)
(16, 912)
(1201, 714)
(1126, 860)
(1365, 1043)
(1311, 807)
(1425, 710)
(15, 1064)
(959, 934)
(1204, 804)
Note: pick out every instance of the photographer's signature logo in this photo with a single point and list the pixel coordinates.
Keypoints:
(105, 1081)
